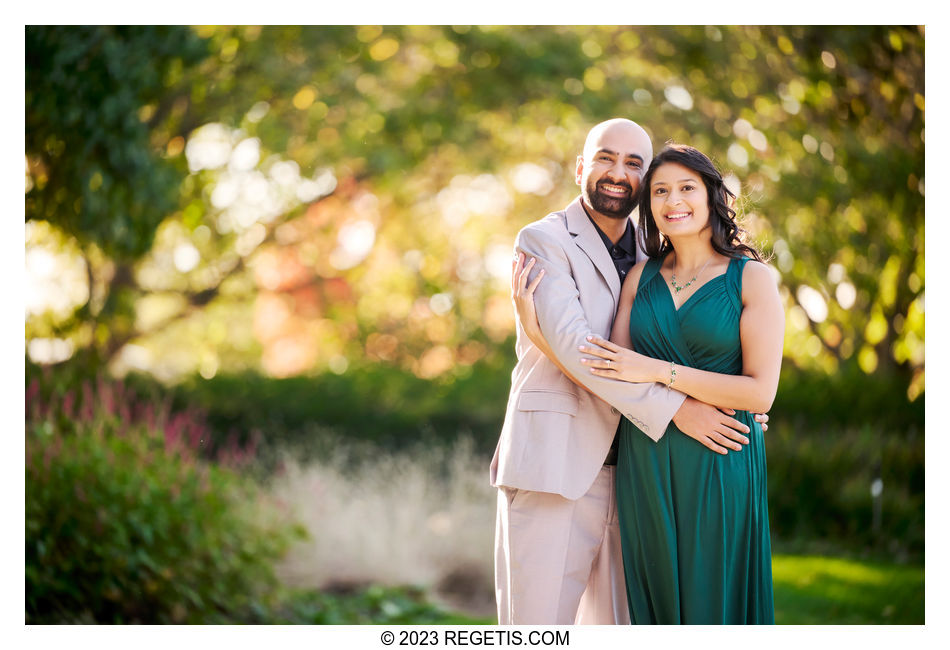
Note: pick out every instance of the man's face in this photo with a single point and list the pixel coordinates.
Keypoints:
(611, 169)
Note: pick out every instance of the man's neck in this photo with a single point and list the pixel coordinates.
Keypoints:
(613, 228)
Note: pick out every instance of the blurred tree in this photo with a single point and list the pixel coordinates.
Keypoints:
(439, 143)
(92, 93)
(94, 98)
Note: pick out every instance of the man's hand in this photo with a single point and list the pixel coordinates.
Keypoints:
(710, 426)
(763, 419)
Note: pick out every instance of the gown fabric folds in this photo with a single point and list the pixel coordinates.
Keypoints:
(694, 523)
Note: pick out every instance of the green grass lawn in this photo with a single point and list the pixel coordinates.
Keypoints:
(809, 590)
(814, 590)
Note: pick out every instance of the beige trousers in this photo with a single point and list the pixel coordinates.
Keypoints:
(557, 561)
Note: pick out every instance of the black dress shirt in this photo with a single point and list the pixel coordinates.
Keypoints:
(623, 253)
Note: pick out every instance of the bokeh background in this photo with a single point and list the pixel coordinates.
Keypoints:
(268, 326)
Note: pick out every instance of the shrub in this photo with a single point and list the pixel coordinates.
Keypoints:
(375, 403)
(373, 605)
(846, 398)
(830, 436)
(75, 390)
(125, 522)
(820, 481)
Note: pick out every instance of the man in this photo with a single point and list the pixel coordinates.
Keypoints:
(557, 540)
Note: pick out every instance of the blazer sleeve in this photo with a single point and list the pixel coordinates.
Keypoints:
(650, 406)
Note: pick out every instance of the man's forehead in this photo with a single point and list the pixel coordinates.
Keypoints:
(619, 139)
(629, 148)
(633, 153)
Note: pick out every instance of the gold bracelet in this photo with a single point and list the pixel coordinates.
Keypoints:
(669, 386)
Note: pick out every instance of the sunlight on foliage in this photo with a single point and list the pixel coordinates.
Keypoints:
(328, 183)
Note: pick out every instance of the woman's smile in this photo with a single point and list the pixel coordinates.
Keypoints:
(678, 216)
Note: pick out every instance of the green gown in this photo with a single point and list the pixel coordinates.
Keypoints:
(694, 524)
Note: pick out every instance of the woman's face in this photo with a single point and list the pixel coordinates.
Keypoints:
(678, 200)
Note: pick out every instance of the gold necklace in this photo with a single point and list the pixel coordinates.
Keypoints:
(678, 288)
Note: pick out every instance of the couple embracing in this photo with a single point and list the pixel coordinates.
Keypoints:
(630, 469)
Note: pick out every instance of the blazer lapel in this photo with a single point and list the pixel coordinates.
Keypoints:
(588, 240)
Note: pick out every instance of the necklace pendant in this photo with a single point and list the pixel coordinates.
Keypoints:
(676, 287)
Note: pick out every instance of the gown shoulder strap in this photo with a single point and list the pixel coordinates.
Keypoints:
(651, 268)
(734, 280)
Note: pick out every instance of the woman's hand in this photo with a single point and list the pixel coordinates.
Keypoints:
(522, 295)
(616, 362)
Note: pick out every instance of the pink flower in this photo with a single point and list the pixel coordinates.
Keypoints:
(86, 412)
(148, 414)
(173, 433)
(124, 414)
(69, 402)
(33, 405)
(105, 395)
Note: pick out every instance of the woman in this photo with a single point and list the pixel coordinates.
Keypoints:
(705, 318)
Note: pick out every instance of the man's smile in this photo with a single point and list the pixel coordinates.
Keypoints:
(610, 189)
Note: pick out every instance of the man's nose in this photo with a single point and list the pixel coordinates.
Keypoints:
(617, 170)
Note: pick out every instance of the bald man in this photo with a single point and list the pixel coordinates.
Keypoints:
(557, 540)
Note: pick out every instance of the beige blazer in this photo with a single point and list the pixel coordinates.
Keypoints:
(556, 436)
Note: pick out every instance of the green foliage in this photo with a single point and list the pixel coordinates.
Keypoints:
(847, 398)
(809, 590)
(127, 521)
(829, 437)
(820, 480)
(102, 107)
(371, 605)
(823, 127)
(73, 393)
(125, 524)
(92, 93)
(376, 403)
(828, 440)
(123, 527)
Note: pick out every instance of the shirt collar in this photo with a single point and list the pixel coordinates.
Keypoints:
(626, 240)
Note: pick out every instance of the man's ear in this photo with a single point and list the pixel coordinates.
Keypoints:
(579, 170)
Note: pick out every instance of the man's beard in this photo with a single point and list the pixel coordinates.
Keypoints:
(609, 206)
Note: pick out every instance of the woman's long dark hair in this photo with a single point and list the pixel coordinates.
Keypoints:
(726, 234)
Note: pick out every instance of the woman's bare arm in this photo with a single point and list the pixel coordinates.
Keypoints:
(761, 330)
